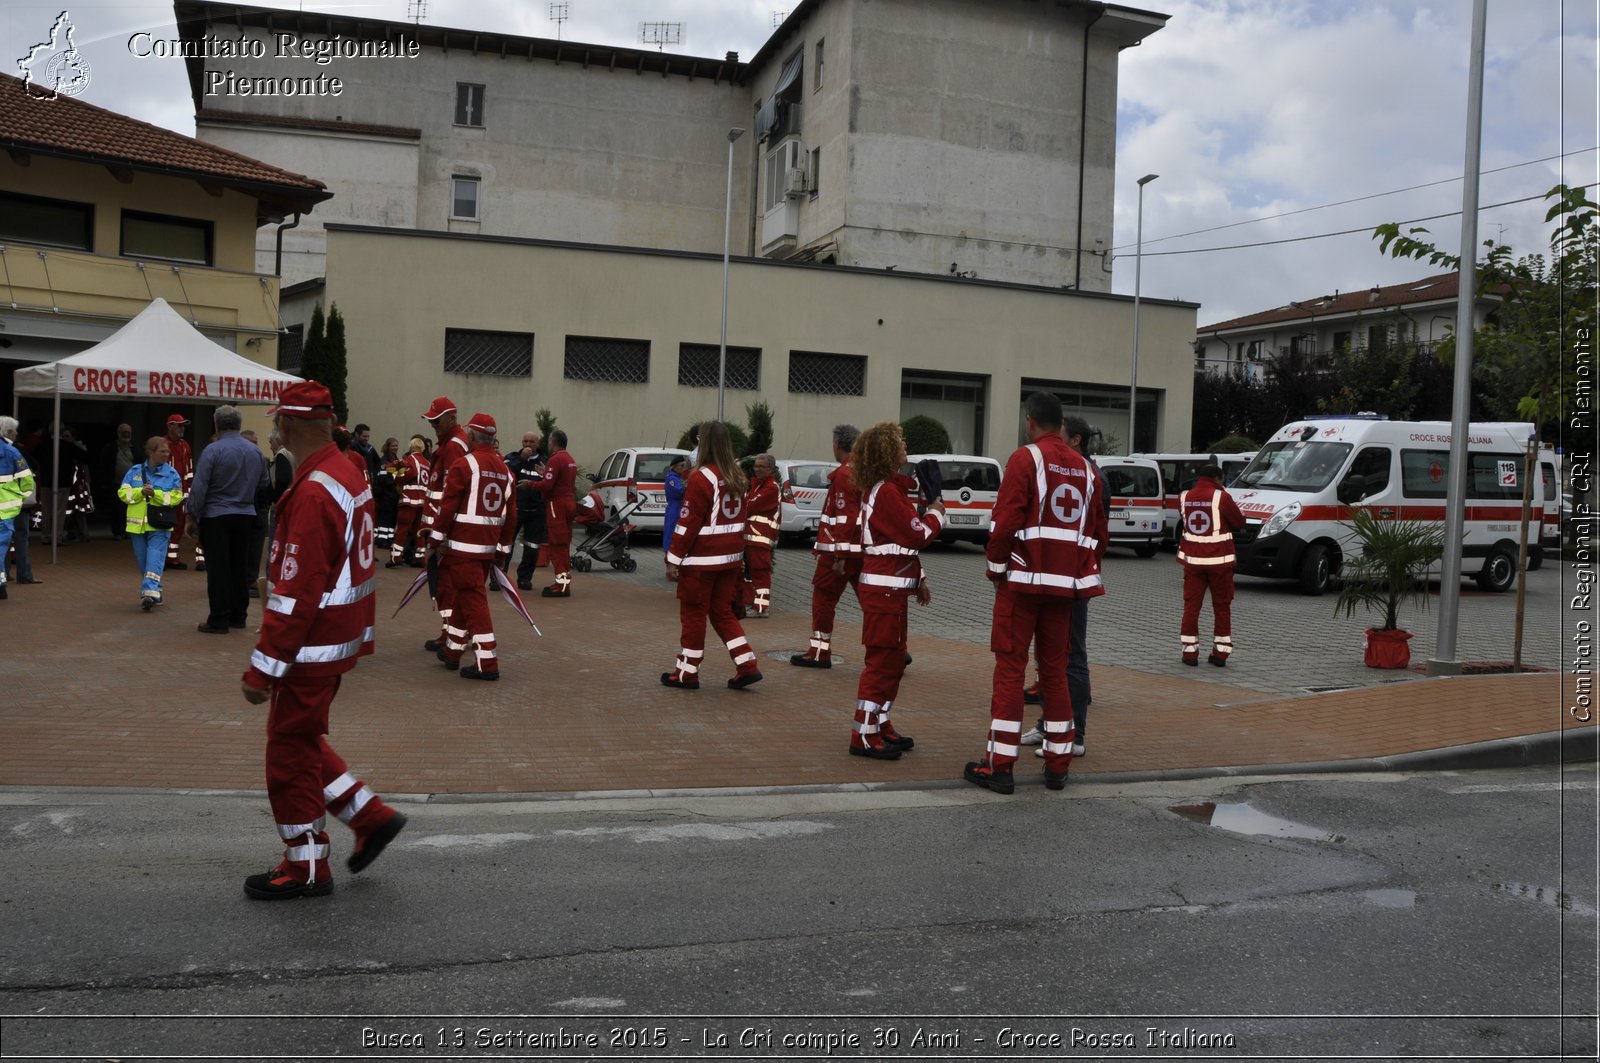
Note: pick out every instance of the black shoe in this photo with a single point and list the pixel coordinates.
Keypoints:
(908, 660)
(1032, 695)
(393, 564)
(904, 743)
(670, 679)
(370, 849)
(275, 885)
(979, 774)
(802, 660)
(883, 752)
(1218, 660)
(739, 682)
(205, 628)
(1192, 662)
(433, 645)
(524, 584)
(471, 672)
(199, 566)
(3, 594)
(179, 565)
(147, 603)
(447, 662)
(235, 623)
(551, 592)
(1054, 781)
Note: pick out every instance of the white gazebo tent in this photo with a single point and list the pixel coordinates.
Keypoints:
(156, 357)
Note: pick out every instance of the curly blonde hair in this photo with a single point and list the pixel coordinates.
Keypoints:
(876, 455)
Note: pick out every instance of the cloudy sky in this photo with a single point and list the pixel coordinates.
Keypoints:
(1265, 119)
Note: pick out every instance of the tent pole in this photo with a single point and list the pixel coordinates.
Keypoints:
(55, 475)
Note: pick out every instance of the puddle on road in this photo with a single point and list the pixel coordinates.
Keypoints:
(1242, 819)
(1391, 898)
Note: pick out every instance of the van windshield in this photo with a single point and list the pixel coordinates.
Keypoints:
(652, 466)
(1131, 481)
(1295, 466)
(974, 475)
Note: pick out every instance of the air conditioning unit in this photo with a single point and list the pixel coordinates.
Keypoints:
(794, 181)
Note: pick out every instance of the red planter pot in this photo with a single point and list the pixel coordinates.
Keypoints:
(1387, 649)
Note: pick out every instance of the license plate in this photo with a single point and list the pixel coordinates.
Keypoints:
(1120, 514)
(964, 518)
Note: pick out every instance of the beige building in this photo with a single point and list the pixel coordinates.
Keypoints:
(100, 214)
(900, 158)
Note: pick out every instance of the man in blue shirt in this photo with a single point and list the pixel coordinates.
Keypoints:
(222, 503)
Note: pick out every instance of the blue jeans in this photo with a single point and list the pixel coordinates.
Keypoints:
(150, 550)
(19, 539)
(5, 544)
(1078, 667)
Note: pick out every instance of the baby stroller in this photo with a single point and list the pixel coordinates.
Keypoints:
(607, 541)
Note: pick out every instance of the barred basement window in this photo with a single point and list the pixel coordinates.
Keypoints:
(488, 353)
(811, 373)
(609, 361)
(697, 366)
(291, 344)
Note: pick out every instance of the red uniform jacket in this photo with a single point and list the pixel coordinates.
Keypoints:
(183, 460)
(1048, 525)
(839, 526)
(892, 535)
(413, 480)
(360, 464)
(319, 618)
(761, 512)
(452, 448)
(560, 504)
(472, 524)
(711, 525)
(1207, 517)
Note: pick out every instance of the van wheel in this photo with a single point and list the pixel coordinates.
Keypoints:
(1499, 571)
(1145, 550)
(1316, 570)
(1535, 558)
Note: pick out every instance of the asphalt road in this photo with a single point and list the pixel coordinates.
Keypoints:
(1418, 916)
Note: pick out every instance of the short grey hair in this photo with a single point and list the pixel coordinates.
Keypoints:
(768, 458)
(845, 436)
(227, 419)
(8, 427)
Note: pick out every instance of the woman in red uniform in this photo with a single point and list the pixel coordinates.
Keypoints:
(705, 560)
(892, 535)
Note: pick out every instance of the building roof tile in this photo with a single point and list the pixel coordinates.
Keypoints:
(1442, 287)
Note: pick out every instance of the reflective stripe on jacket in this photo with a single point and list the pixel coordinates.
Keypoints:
(16, 480)
(1048, 526)
(1207, 517)
(892, 536)
(166, 490)
(710, 530)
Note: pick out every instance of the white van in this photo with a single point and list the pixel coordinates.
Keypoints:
(1137, 498)
(1302, 486)
(971, 484)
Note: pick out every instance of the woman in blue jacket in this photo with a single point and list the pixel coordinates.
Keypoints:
(675, 488)
(153, 482)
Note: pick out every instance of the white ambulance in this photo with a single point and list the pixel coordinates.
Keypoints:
(1301, 487)
(1134, 491)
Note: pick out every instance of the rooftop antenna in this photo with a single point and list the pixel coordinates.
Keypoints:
(558, 15)
(660, 34)
(778, 17)
(416, 10)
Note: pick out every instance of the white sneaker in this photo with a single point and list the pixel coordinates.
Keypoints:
(1032, 737)
(1077, 749)
(1039, 752)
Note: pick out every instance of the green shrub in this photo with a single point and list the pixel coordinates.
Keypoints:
(1233, 445)
(925, 435)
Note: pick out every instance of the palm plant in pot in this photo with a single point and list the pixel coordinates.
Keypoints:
(1390, 570)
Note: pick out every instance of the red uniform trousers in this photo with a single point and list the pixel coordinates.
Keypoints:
(1197, 579)
(557, 549)
(407, 521)
(826, 587)
(307, 778)
(709, 595)
(883, 642)
(181, 522)
(461, 583)
(1045, 621)
(757, 588)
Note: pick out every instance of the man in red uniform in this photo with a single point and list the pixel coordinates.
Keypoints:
(761, 533)
(412, 480)
(182, 460)
(838, 550)
(472, 532)
(1047, 527)
(317, 623)
(561, 504)
(1207, 518)
(345, 441)
(441, 414)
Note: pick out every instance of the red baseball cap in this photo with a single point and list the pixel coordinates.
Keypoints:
(308, 400)
(177, 418)
(438, 408)
(482, 422)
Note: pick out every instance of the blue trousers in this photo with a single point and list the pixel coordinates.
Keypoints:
(150, 550)
(5, 544)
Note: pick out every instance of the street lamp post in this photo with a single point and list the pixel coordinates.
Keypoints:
(1138, 261)
(727, 235)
